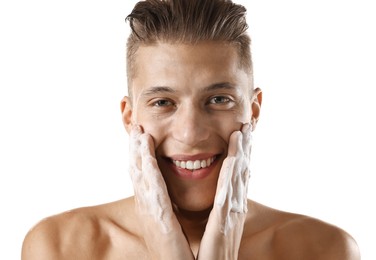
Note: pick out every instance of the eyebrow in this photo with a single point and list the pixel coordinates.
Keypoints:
(157, 89)
(218, 86)
(164, 89)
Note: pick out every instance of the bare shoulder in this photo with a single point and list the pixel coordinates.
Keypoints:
(303, 237)
(294, 236)
(84, 233)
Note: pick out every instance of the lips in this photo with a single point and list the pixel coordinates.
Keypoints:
(193, 167)
(194, 164)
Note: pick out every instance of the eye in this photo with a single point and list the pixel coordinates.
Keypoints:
(220, 100)
(224, 102)
(162, 103)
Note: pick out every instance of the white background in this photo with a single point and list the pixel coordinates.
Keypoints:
(62, 143)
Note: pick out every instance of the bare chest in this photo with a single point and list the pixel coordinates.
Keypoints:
(133, 247)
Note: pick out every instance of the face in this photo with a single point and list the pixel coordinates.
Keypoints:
(189, 98)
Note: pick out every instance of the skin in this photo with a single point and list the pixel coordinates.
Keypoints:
(188, 103)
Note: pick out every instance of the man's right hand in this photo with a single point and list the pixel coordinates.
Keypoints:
(162, 232)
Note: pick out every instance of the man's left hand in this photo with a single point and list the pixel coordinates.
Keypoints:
(224, 229)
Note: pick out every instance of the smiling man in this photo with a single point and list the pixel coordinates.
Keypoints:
(190, 114)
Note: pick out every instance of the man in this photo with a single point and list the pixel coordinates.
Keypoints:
(190, 114)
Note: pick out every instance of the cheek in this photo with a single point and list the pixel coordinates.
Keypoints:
(225, 125)
(151, 125)
(230, 122)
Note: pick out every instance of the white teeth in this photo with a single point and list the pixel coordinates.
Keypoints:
(203, 164)
(194, 165)
(197, 165)
(189, 165)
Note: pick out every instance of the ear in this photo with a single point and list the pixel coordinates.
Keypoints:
(256, 106)
(126, 112)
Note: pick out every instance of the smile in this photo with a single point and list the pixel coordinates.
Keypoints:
(194, 165)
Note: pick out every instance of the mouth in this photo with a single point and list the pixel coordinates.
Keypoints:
(193, 167)
(194, 164)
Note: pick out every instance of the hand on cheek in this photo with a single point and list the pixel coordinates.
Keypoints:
(161, 230)
(233, 179)
(224, 229)
(149, 187)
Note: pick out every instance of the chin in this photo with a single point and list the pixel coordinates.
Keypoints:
(194, 199)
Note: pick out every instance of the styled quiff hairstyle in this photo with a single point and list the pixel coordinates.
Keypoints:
(188, 22)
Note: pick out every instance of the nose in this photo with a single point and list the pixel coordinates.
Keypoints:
(191, 125)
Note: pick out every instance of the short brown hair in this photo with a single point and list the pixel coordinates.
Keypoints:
(188, 21)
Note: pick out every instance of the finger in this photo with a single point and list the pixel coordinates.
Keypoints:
(223, 185)
(239, 190)
(247, 177)
(135, 133)
(157, 200)
(134, 146)
(150, 166)
(235, 144)
(246, 173)
(247, 138)
(147, 145)
(149, 162)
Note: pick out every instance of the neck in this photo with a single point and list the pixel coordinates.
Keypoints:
(193, 218)
(193, 224)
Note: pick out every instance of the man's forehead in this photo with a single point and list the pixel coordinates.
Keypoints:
(152, 90)
(173, 64)
(207, 48)
(178, 59)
